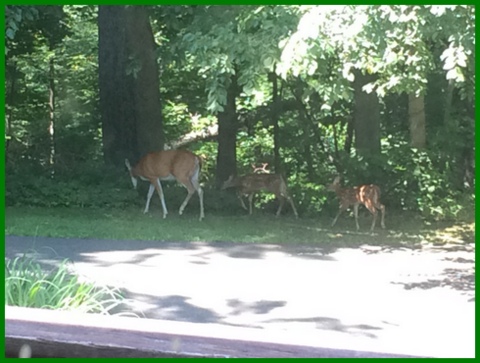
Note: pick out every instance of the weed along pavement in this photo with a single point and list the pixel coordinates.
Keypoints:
(391, 300)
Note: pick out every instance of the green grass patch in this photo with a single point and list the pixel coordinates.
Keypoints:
(262, 227)
(27, 284)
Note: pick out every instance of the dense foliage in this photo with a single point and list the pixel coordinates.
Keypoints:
(53, 134)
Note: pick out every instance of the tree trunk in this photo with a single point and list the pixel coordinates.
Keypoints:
(349, 137)
(448, 101)
(276, 128)
(129, 84)
(146, 89)
(416, 118)
(227, 135)
(51, 125)
(116, 99)
(309, 128)
(10, 102)
(366, 116)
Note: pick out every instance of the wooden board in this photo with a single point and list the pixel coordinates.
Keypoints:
(58, 334)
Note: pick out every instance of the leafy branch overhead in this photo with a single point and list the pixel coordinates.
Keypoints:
(403, 44)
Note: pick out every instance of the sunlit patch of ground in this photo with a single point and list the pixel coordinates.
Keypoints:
(459, 233)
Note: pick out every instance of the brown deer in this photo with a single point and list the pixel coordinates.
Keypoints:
(180, 165)
(368, 195)
(251, 183)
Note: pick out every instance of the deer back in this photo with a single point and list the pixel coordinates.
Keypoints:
(369, 195)
(250, 183)
(167, 164)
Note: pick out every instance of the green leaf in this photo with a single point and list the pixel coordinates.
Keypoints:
(268, 62)
(10, 33)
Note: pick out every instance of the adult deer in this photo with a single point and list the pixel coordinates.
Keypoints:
(251, 183)
(180, 165)
(368, 195)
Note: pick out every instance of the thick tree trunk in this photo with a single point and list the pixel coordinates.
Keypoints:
(129, 84)
(366, 116)
(116, 99)
(227, 136)
(416, 118)
(146, 90)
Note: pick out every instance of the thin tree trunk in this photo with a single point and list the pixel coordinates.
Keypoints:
(10, 102)
(276, 128)
(227, 135)
(416, 117)
(310, 144)
(349, 139)
(335, 140)
(307, 154)
(51, 126)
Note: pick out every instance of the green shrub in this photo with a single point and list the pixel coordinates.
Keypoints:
(85, 185)
(411, 180)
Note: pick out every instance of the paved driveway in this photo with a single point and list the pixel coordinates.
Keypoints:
(417, 302)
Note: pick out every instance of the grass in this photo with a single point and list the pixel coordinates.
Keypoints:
(27, 284)
(262, 227)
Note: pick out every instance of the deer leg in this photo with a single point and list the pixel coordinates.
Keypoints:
(185, 202)
(293, 206)
(200, 196)
(355, 212)
(196, 185)
(158, 186)
(239, 195)
(149, 196)
(191, 190)
(382, 209)
(193, 187)
(281, 202)
(338, 215)
(374, 213)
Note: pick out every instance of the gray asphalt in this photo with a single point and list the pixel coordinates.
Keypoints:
(402, 301)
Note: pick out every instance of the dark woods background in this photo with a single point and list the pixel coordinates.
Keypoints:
(377, 94)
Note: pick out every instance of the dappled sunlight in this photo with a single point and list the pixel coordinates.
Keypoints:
(459, 233)
(319, 292)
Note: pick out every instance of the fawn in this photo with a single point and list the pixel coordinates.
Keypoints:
(251, 183)
(368, 195)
